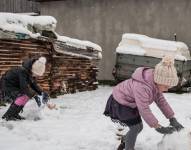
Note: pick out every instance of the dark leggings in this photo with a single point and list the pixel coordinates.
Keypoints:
(131, 136)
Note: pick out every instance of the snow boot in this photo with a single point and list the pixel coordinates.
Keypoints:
(121, 145)
(10, 114)
(13, 113)
(17, 116)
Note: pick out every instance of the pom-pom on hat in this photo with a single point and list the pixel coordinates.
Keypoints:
(165, 72)
(38, 67)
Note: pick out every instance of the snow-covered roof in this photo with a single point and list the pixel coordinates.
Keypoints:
(24, 23)
(79, 43)
(137, 44)
(33, 27)
(29, 13)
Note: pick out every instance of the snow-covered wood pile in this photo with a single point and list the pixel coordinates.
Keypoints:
(79, 48)
(11, 25)
(12, 52)
(64, 73)
(17, 26)
(72, 63)
(74, 74)
(142, 45)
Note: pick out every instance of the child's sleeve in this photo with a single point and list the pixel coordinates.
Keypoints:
(142, 98)
(164, 106)
(35, 87)
(24, 85)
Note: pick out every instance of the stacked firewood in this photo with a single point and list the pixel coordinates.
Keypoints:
(73, 73)
(64, 73)
(13, 52)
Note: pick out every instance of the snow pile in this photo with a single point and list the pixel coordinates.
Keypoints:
(137, 44)
(25, 24)
(176, 141)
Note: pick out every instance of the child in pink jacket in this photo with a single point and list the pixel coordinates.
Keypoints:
(131, 98)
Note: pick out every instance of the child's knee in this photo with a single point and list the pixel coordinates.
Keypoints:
(137, 128)
(21, 100)
(140, 128)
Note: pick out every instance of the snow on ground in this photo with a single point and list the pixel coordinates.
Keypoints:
(78, 124)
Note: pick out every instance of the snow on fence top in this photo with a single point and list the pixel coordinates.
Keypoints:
(137, 44)
(33, 27)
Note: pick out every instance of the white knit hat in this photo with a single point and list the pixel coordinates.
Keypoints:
(165, 72)
(38, 67)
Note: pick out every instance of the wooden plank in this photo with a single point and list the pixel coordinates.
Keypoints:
(9, 55)
(22, 43)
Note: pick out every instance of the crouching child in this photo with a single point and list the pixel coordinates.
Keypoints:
(19, 85)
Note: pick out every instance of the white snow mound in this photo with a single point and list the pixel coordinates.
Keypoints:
(137, 44)
(25, 24)
(176, 141)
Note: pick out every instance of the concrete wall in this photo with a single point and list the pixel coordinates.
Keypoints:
(104, 22)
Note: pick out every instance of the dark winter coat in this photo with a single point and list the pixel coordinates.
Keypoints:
(19, 81)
